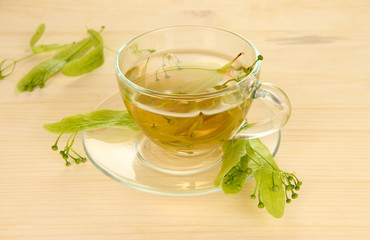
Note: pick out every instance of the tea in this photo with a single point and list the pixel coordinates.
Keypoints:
(184, 124)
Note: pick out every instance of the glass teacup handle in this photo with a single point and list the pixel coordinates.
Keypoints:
(269, 112)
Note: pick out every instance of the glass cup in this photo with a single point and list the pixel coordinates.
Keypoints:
(189, 89)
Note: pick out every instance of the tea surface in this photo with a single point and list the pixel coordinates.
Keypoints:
(183, 72)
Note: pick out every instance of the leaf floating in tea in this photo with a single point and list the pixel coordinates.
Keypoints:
(196, 125)
(132, 73)
(237, 79)
(140, 52)
(228, 65)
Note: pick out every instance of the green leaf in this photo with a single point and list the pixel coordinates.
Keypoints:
(244, 157)
(233, 151)
(91, 121)
(75, 50)
(196, 124)
(260, 151)
(228, 65)
(90, 61)
(208, 79)
(40, 74)
(234, 180)
(132, 73)
(37, 35)
(246, 71)
(260, 155)
(95, 37)
(140, 52)
(267, 176)
(83, 122)
(258, 177)
(45, 47)
(85, 64)
(272, 193)
(48, 47)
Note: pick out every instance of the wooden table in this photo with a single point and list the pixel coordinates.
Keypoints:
(317, 51)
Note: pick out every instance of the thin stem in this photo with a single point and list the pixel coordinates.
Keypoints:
(266, 160)
(68, 145)
(73, 139)
(253, 196)
(76, 153)
(110, 49)
(15, 61)
(273, 168)
(259, 195)
(225, 83)
(56, 142)
(24, 58)
(55, 146)
(254, 160)
(294, 180)
(295, 177)
(283, 179)
(237, 79)
(101, 29)
(228, 65)
(77, 160)
(156, 75)
(260, 203)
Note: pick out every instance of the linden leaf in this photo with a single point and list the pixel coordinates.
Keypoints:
(233, 151)
(92, 120)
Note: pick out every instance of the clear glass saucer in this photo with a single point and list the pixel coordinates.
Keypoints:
(114, 152)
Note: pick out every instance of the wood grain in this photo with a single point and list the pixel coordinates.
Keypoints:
(317, 51)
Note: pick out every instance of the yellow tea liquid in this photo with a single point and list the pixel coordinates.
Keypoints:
(188, 125)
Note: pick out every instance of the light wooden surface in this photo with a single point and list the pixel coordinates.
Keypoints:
(317, 51)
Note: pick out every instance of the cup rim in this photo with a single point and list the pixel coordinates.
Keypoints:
(147, 91)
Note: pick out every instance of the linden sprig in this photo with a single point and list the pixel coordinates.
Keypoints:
(247, 71)
(72, 59)
(244, 157)
(97, 119)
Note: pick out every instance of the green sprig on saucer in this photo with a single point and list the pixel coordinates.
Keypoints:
(241, 159)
